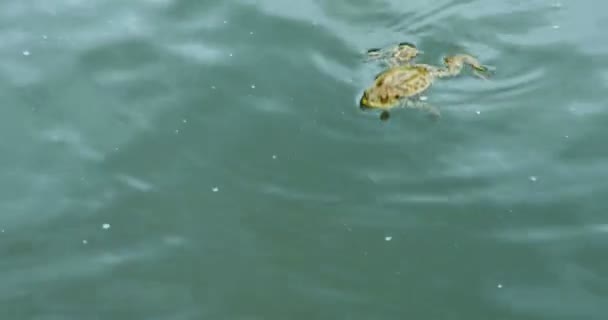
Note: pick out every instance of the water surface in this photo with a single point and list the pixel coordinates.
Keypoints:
(169, 159)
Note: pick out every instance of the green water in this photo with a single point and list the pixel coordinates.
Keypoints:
(168, 159)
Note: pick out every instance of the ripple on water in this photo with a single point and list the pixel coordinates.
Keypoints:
(135, 183)
(74, 140)
(550, 234)
(198, 52)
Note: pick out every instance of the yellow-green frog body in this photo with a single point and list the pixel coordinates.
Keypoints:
(402, 83)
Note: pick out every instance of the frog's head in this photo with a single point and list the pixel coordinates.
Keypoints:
(364, 101)
(374, 98)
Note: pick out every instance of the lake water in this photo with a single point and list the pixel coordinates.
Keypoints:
(190, 159)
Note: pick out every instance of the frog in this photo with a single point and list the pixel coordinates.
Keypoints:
(403, 82)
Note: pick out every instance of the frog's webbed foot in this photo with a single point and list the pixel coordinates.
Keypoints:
(483, 72)
(430, 109)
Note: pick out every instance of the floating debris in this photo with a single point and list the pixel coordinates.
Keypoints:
(388, 238)
(215, 189)
(478, 112)
(533, 178)
(106, 226)
(499, 286)
(26, 53)
(84, 242)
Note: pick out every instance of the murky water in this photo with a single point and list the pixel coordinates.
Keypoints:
(169, 159)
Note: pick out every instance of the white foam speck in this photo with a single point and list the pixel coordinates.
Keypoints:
(44, 37)
(274, 156)
(215, 189)
(184, 120)
(251, 32)
(253, 86)
(555, 26)
(230, 54)
(84, 242)
(499, 286)
(423, 98)
(106, 226)
(176, 131)
(26, 53)
(213, 87)
(533, 178)
(478, 112)
(388, 238)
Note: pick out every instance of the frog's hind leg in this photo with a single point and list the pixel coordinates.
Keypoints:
(401, 54)
(430, 109)
(383, 56)
(377, 54)
(374, 54)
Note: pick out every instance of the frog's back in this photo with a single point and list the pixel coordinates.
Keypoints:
(408, 80)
